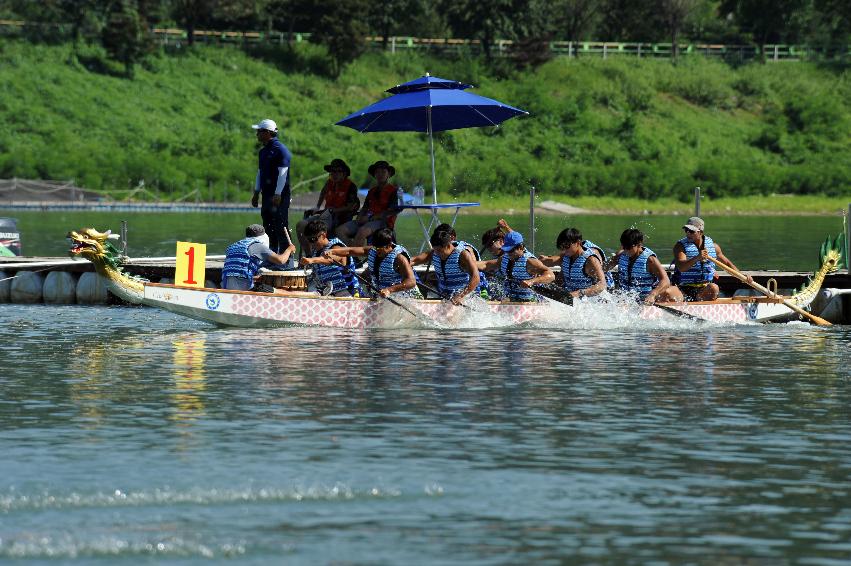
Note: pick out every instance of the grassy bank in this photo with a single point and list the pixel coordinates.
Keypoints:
(797, 205)
(598, 131)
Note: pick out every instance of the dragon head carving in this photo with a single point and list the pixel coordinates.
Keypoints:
(95, 246)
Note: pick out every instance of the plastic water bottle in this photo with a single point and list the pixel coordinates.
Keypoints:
(400, 196)
(419, 193)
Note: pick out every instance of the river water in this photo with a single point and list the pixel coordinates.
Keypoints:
(130, 435)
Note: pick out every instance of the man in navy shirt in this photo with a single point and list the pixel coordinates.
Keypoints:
(273, 182)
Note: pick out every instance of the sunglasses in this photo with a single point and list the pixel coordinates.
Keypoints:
(690, 231)
(313, 239)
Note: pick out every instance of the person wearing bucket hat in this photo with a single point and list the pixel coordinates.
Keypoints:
(337, 203)
(694, 274)
(520, 269)
(379, 208)
(272, 183)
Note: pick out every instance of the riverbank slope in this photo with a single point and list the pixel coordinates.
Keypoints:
(623, 128)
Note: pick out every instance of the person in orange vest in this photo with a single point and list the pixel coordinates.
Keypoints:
(379, 208)
(337, 203)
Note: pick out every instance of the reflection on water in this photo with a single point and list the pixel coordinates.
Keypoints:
(189, 378)
(132, 433)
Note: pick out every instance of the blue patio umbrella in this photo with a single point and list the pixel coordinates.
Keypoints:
(430, 104)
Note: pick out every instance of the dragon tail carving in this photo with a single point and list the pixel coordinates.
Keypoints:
(831, 258)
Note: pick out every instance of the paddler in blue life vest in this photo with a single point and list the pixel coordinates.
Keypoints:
(694, 274)
(454, 265)
(335, 279)
(581, 268)
(640, 271)
(243, 259)
(428, 257)
(520, 269)
(388, 263)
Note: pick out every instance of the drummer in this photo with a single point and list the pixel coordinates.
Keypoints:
(388, 263)
(244, 258)
(520, 268)
(339, 280)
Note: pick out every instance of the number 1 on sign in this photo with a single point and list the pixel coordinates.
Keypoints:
(191, 253)
(190, 264)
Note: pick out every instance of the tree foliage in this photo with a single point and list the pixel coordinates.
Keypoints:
(125, 35)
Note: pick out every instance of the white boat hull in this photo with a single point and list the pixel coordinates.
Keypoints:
(249, 309)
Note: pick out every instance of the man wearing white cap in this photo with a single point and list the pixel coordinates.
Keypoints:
(694, 273)
(273, 183)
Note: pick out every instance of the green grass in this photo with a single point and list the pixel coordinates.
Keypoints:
(619, 134)
(750, 205)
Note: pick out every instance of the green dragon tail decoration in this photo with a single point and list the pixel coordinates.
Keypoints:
(831, 258)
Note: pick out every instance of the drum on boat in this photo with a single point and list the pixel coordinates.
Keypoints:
(295, 280)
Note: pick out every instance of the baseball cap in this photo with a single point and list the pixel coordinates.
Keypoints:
(266, 124)
(511, 241)
(694, 223)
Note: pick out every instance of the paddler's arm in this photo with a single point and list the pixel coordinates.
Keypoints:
(544, 273)
(503, 225)
(468, 264)
(403, 268)
(490, 266)
(550, 260)
(613, 261)
(419, 259)
(681, 261)
(322, 260)
(594, 270)
(654, 267)
(346, 252)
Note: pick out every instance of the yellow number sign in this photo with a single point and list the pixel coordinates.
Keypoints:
(191, 261)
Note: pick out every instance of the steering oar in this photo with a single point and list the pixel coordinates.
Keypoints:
(743, 278)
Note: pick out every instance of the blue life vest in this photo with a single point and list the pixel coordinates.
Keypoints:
(335, 275)
(385, 275)
(589, 245)
(451, 277)
(633, 275)
(700, 272)
(513, 290)
(573, 271)
(483, 279)
(238, 262)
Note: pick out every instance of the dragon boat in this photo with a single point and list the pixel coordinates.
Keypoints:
(253, 309)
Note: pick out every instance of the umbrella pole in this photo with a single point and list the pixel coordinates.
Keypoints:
(431, 148)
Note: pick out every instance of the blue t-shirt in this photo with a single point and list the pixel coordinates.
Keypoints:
(273, 155)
